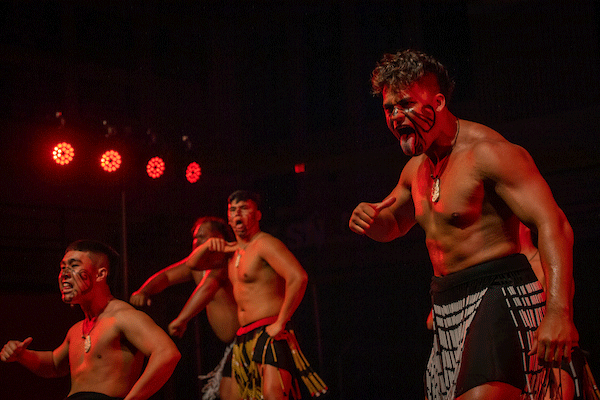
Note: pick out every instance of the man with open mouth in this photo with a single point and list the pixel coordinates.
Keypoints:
(106, 351)
(469, 188)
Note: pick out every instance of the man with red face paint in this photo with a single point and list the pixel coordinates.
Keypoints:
(468, 188)
(105, 352)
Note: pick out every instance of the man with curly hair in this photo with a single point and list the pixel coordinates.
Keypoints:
(469, 188)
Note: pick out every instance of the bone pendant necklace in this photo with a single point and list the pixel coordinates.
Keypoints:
(237, 260)
(435, 188)
(87, 340)
(438, 169)
(86, 330)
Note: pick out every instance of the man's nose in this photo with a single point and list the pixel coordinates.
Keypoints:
(397, 117)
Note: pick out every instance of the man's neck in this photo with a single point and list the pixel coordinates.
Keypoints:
(245, 241)
(96, 306)
(446, 140)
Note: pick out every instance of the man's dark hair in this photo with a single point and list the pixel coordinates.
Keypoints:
(399, 71)
(94, 246)
(244, 195)
(218, 225)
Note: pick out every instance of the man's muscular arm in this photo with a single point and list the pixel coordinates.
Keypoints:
(153, 342)
(171, 275)
(391, 218)
(519, 183)
(200, 298)
(283, 262)
(47, 364)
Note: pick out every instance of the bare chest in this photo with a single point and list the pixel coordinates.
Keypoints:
(453, 198)
(97, 347)
(247, 267)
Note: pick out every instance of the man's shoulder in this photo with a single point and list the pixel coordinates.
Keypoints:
(124, 314)
(118, 307)
(483, 145)
(410, 169)
(264, 238)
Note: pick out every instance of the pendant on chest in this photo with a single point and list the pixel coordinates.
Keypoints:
(87, 343)
(240, 252)
(435, 190)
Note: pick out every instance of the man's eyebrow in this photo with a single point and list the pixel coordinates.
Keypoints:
(400, 102)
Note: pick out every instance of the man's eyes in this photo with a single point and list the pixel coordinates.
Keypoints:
(400, 107)
(69, 267)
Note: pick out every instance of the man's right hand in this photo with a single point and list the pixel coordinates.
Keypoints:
(177, 328)
(221, 245)
(139, 299)
(365, 213)
(13, 349)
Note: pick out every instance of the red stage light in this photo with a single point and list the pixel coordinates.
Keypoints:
(110, 161)
(63, 153)
(299, 168)
(193, 172)
(155, 167)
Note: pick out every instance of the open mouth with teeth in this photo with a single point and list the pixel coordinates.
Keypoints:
(66, 287)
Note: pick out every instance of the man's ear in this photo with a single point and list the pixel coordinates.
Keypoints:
(259, 214)
(440, 102)
(102, 274)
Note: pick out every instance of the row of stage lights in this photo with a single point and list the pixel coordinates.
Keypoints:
(63, 153)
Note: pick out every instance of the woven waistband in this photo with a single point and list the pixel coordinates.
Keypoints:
(256, 324)
(511, 263)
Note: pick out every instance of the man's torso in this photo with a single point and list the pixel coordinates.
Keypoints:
(470, 223)
(257, 288)
(111, 365)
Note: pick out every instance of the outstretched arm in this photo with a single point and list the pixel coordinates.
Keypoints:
(47, 364)
(181, 271)
(202, 296)
(391, 218)
(198, 259)
(151, 340)
(171, 275)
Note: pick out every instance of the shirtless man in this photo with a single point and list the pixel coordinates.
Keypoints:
(268, 286)
(213, 292)
(468, 187)
(105, 352)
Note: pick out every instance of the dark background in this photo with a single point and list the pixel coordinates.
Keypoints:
(257, 87)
